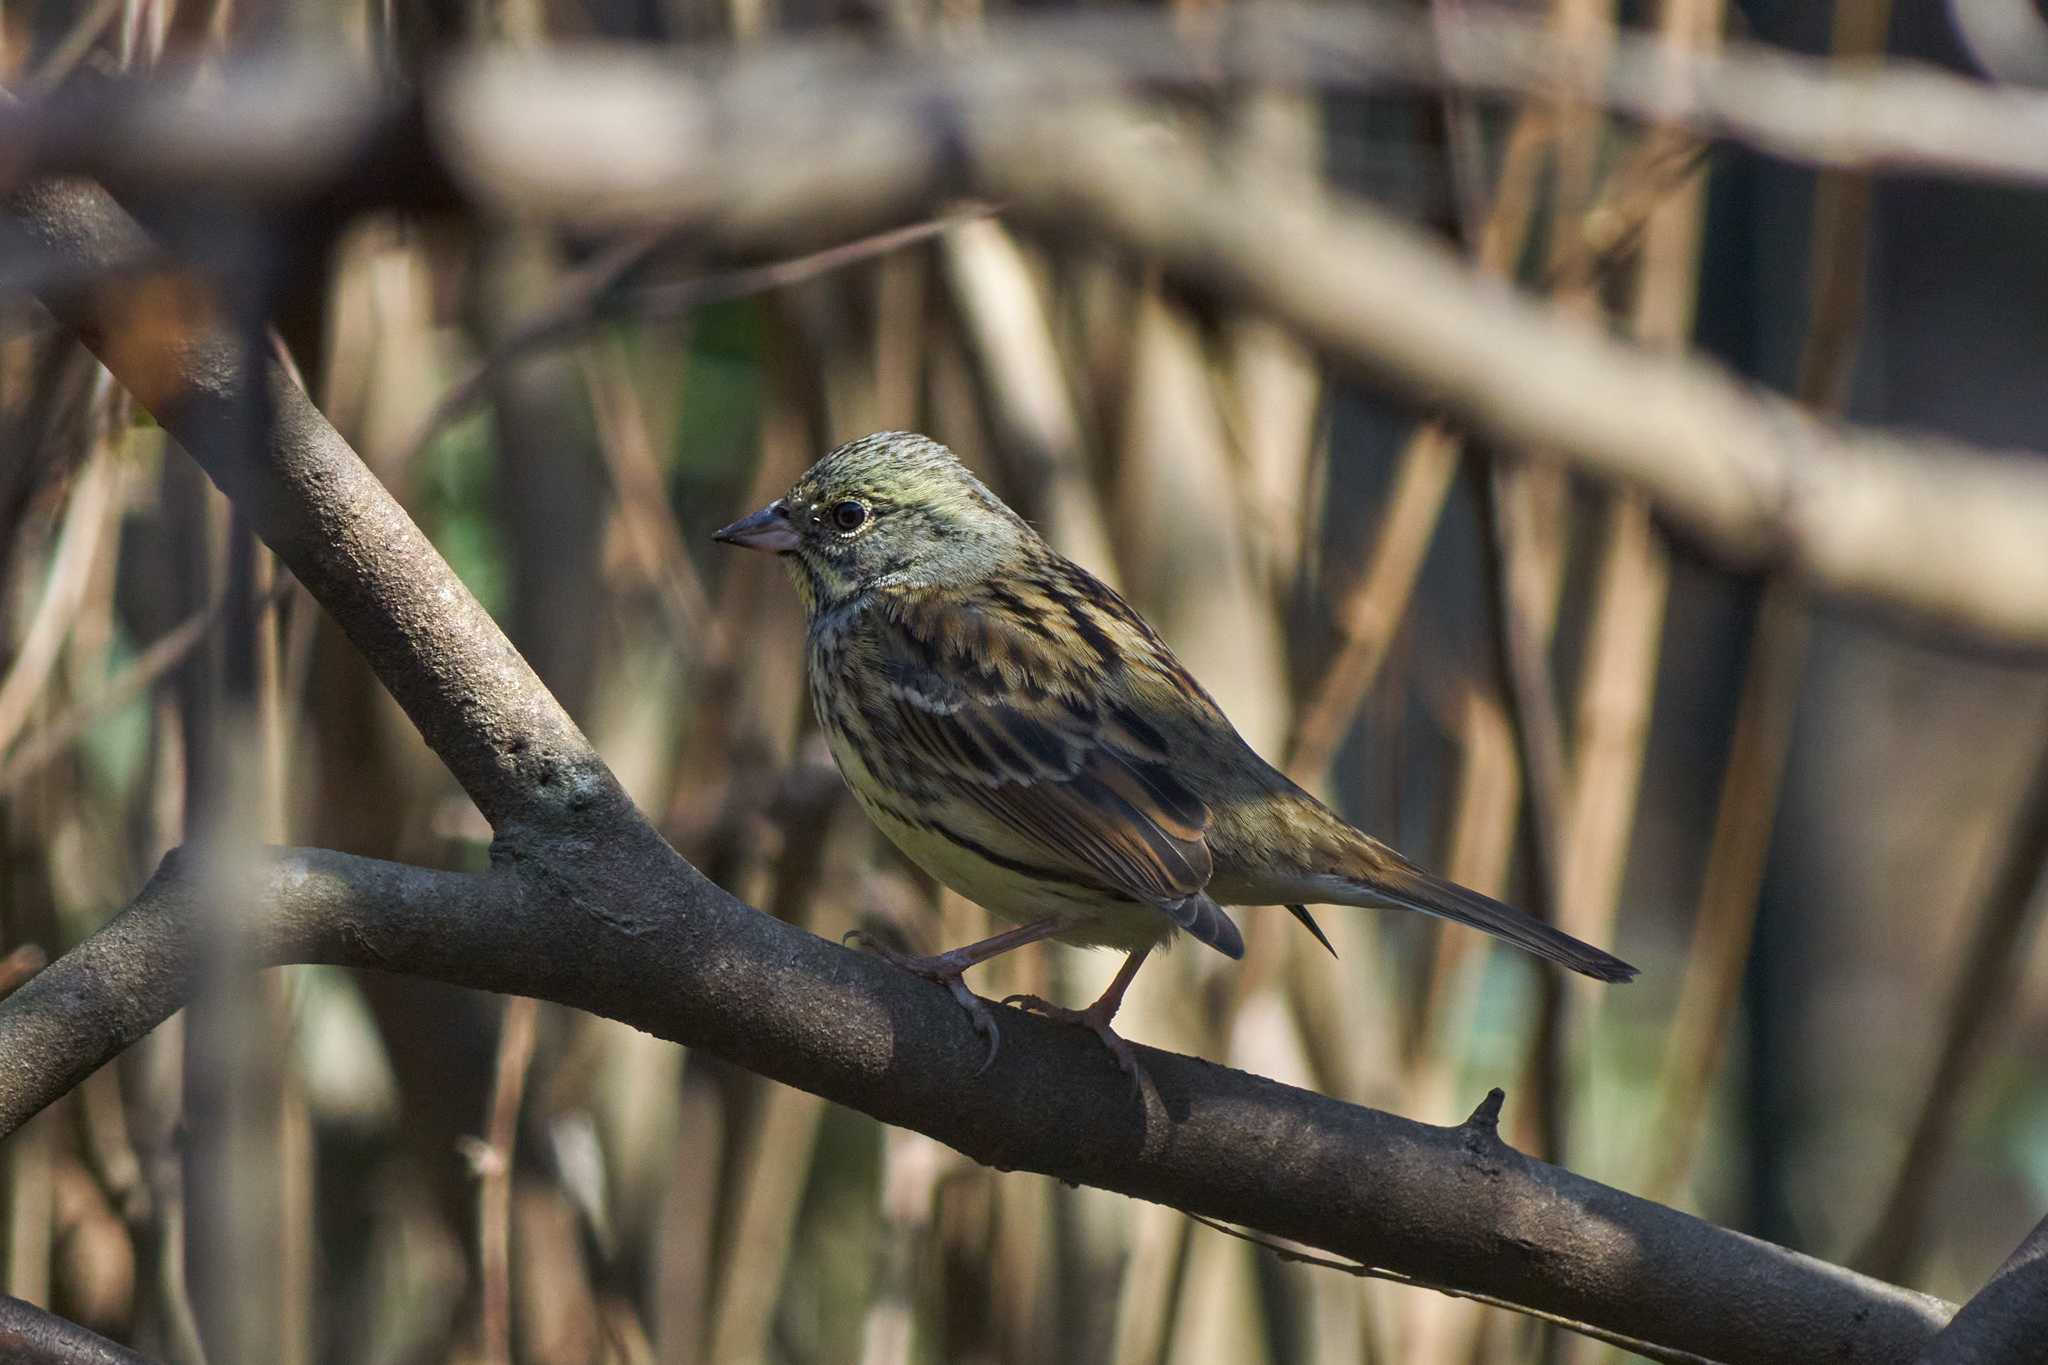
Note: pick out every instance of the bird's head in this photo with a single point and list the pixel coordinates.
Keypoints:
(890, 510)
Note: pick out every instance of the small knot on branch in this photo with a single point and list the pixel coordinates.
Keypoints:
(1485, 1120)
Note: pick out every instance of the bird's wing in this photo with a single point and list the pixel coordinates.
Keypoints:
(991, 708)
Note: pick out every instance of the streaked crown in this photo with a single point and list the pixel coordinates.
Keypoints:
(895, 509)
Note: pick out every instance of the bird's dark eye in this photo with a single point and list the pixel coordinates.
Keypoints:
(849, 516)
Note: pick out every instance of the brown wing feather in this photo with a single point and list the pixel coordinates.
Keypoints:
(993, 719)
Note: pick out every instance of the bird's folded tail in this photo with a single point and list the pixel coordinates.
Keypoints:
(1401, 885)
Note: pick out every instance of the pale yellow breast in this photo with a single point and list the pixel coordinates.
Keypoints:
(1008, 892)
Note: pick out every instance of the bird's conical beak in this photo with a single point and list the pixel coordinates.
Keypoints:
(768, 530)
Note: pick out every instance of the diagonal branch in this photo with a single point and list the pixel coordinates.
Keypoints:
(35, 1337)
(2008, 1318)
(477, 703)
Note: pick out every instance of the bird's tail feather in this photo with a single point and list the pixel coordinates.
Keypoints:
(1407, 887)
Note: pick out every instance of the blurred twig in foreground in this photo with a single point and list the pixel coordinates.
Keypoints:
(1755, 478)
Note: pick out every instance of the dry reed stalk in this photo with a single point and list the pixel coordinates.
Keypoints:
(290, 1125)
(554, 1302)
(31, 1209)
(1612, 718)
(645, 517)
(1024, 1268)
(686, 1241)
(1482, 842)
(1158, 1240)
(1007, 333)
(781, 1126)
(1718, 954)
(94, 1270)
(1986, 981)
(1271, 386)
(752, 708)
(902, 340)
(1199, 591)
(1370, 611)
(911, 1166)
(158, 1070)
(777, 1145)
(492, 1159)
(87, 515)
(1617, 684)
(1482, 834)
(1718, 951)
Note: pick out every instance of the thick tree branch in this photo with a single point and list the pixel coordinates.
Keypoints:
(2008, 1320)
(30, 1336)
(677, 957)
(478, 704)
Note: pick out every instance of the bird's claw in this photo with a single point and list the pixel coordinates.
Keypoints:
(943, 971)
(984, 1022)
(1126, 1060)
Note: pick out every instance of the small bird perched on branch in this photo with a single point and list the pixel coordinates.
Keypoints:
(1020, 733)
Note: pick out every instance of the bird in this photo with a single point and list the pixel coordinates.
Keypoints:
(1019, 731)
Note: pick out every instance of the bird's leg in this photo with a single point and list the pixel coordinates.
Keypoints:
(1098, 1015)
(945, 969)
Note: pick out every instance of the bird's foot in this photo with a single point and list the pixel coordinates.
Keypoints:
(1096, 1020)
(943, 969)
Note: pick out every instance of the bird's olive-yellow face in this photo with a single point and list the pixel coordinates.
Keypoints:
(891, 509)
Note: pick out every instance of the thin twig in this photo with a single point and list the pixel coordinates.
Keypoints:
(1649, 1350)
(136, 677)
(1368, 614)
(71, 49)
(646, 516)
(1370, 609)
(598, 292)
